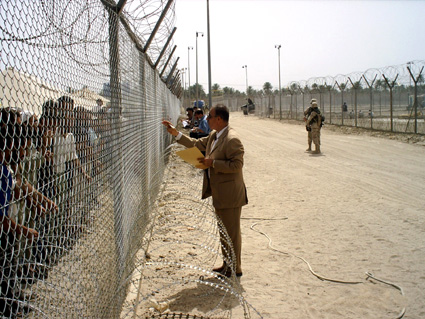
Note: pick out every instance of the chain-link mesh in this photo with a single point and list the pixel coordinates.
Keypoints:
(82, 152)
(387, 99)
(174, 272)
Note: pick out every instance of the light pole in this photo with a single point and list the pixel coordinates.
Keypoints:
(183, 70)
(188, 69)
(246, 77)
(410, 66)
(209, 55)
(278, 46)
(197, 85)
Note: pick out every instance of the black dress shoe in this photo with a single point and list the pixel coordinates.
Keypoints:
(220, 269)
(228, 273)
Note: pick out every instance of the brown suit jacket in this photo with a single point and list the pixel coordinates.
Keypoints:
(225, 181)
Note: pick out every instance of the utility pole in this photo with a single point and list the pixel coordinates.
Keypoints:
(246, 77)
(278, 46)
(197, 84)
(188, 68)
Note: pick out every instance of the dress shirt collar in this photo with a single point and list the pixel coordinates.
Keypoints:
(218, 134)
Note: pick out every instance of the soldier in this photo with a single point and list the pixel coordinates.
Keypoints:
(314, 121)
(307, 113)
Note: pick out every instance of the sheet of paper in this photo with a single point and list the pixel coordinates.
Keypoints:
(191, 156)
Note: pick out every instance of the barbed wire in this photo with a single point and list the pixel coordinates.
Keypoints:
(174, 275)
(81, 28)
(73, 74)
(371, 75)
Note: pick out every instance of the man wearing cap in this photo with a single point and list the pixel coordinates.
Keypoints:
(314, 121)
(307, 113)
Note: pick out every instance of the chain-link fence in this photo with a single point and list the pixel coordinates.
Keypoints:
(83, 88)
(388, 99)
(174, 276)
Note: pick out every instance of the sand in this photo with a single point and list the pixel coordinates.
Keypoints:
(359, 207)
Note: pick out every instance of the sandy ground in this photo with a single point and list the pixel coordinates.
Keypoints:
(359, 207)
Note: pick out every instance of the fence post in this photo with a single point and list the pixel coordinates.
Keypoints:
(116, 116)
(296, 105)
(342, 88)
(290, 106)
(330, 101)
(371, 98)
(391, 98)
(302, 93)
(415, 105)
(355, 101)
(164, 48)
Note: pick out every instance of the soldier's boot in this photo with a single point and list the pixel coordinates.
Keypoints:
(317, 150)
(309, 148)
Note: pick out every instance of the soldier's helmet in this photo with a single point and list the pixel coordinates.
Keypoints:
(313, 101)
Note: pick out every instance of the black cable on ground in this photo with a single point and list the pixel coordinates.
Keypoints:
(368, 274)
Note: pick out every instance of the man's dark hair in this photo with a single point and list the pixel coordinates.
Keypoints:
(189, 109)
(222, 111)
(9, 116)
(66, 99)
(50, 108)
(199, 112)
(6, 137)
(65, 102)
(14, 135)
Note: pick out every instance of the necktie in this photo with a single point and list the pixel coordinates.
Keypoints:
(213, 143)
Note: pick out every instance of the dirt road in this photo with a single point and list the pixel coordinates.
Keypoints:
(360, 206)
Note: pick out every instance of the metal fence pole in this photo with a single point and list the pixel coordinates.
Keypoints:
(390, 86)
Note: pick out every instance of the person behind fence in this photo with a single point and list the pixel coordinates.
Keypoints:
(68, 170)
(188, 122)
(102, 130)
(203, 128)
(314, 121)
(46, 182)
(14, 141)
(24, 214)
(195, 122)
(11, 298)
(223, 180)
(307, 113)
(98, 107)
(86, 145)
(85, 150)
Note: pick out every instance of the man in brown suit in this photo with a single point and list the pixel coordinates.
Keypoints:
(223, 180)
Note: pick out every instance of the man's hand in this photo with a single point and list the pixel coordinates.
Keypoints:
(51, 206)
(206, 161)
(170, 128)
(48, 156)
(29, 233)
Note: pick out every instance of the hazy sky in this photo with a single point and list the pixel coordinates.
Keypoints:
(318, 38)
